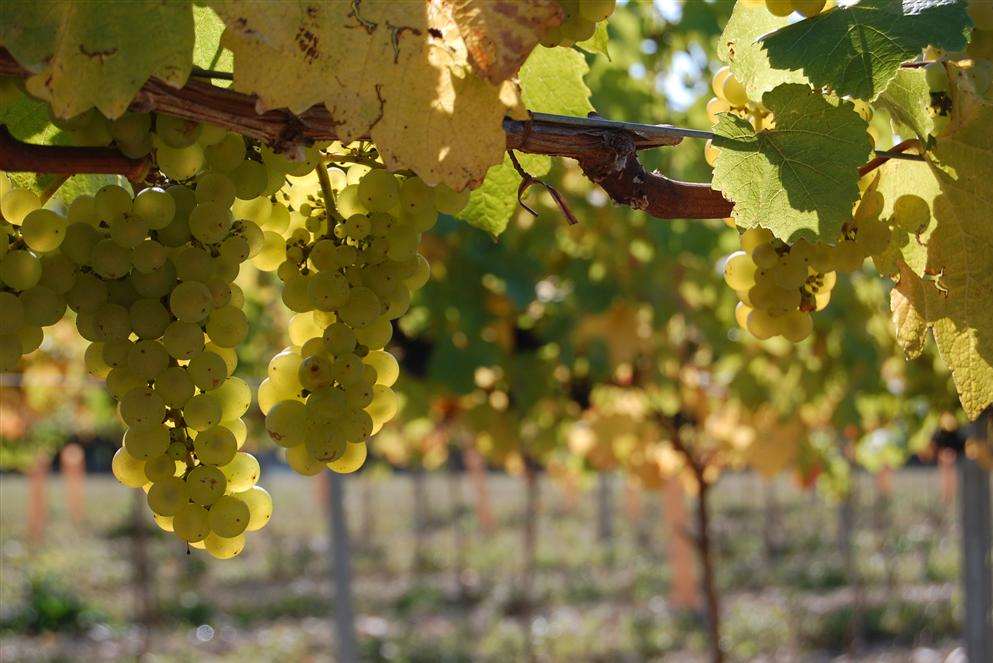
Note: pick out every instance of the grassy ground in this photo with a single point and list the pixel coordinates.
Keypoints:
(785, 594)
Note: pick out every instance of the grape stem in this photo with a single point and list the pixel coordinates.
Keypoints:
(528, 180)
(605, 149)
(327, 192)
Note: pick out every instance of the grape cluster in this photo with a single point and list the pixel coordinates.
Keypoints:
(780, 285)
(348, 272)
(34, 276)
(579, 22)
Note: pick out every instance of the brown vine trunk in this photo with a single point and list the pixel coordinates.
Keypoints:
(37, 515)
(684, 589)
(72, 463)
(706, 552)
(530, 545)
(142, 573)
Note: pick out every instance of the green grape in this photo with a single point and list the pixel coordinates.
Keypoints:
(296, 295)
(112, 322)
(210, 222)
(268, 395)
(789, 272)
(128, 231)
(313, 346)
(16, 204)
(282, 369)
(43, 230)
(146, 443)
(229, 517)
(326, 404)
(142, 407)
(301, 462)
(229, 355)
(149, 318)
(339, 339)
(774, 299)
(132, 133)
(273, 252)
(239, 428)
(167, 496)
(234, 249)
(739, 271)
(358, 396)
(87, 293)
(216, 188)
(207, 370)
(315, 372)
(374, 335)
(20, 270)
(83, 209)
(121, 380)
(190, 301)
(222, 547)
(149, 256)
(112, 203)
(211, 134)
(183, 340)
(596, 10)
(324, 443)
(242, 472)
(237, 298)
(11, 313)
(86, 325)
(796, 326)
(110, 260)
(259, 504)
(226, 154)
(179, 164)
(128, 470)
(741, 311)
(362, 307)
(58, 273)
(765, 256)
(351, 460)
(115, 353)
(285, 423)
(762, 325)
(397, 303)
(384, 406)
(328, 290)
(164, 522)
(10, 351)
(347, 369)
(177, 448)
(386, 366)
(176, 233)
(122, 293)
(215, 446)
(779, 7)
(420, 275)
(176, 132)
(174, 386)
(160, 468)
(227, 326)
(42, 306)
(202, 411)
(403, 243)
(752, 238)
(205, 484)
(93, 360)
(448, 201)
(234, 396)
(304, 327)
(156, 284)
(31, 338)
(193, 264)
(220, 292)
(147, 359)
(191, 523)
(256, 210)
(250, 179)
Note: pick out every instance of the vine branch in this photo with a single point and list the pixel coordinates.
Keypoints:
(606, 150)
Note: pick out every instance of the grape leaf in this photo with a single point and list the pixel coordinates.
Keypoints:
(961, 306)
(800, 178)
(738, 46)
(856, 50)
(908, 189)
(207, 51)
(501, 35)
(396, 71)
(907, 303)
(598, 44)
(907, 99)
(98, 53)
(551, 82)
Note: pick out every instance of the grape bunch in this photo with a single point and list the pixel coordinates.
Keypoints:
(348, 270)
(34, 276)
(780, 285)
(579, 22)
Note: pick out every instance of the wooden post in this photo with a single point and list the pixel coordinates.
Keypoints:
(72, 462)
(977, 547)
(419, 520)
(456, 498)
(947, 475)
(605, 514)
(474, 462)
(709, 579)
(683, 592)
(38, 498)
(344, 616)
(530, 545)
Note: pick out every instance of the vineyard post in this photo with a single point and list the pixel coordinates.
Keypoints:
(38, 498)
(530, 545)
(344, 616)
(977, 546)
(456, 497)
(420, 517)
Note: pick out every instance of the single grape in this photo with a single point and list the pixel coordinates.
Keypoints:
(259, 504)
(205, 485)
(128, 470)
(215, 446)
(191, 523)
(166, 497)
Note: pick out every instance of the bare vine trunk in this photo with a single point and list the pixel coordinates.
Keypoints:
(684, 588)
(706, 552)
(72, 463)
(142, 574)
(530, 544)
(476, 466)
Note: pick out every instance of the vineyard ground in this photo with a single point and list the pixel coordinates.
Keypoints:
(786, 604)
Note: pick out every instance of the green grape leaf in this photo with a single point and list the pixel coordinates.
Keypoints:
(598, 44)
(207, 51)
(98, 53)
(799, 179)
(907, 304)
(738, 47)
(551, 82)
(907, 99)
(397, 72)
(856, 50)
(501, 35)
(960, 307)
(908, 189)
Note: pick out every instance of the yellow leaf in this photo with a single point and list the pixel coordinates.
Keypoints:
(907, 302)
(397, 72)
(501, 35)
